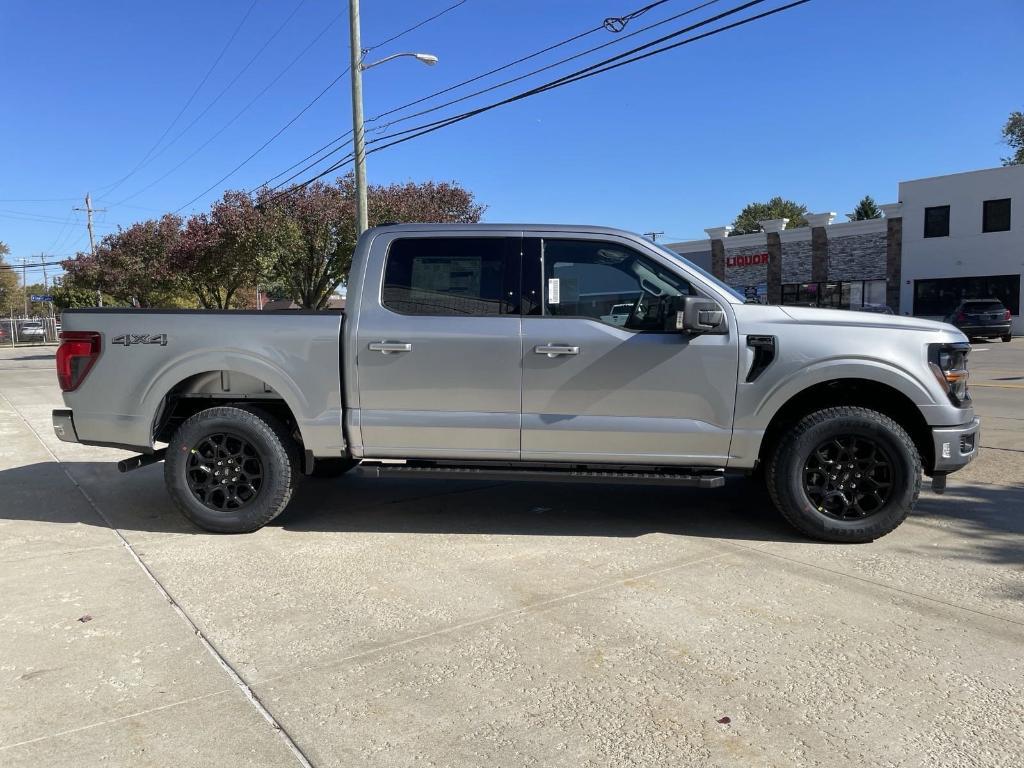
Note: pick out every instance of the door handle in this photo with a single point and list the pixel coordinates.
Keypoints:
(389, 347)
(554, 350)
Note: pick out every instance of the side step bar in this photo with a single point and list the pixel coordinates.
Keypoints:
(712, 478)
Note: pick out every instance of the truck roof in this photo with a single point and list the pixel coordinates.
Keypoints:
(591, 228)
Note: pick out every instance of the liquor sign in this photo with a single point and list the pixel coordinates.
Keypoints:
(751, 260)
(39, 297)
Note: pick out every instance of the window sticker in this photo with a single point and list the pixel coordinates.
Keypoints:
(553, 290)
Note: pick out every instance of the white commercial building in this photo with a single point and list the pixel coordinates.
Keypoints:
(963, 237)
(953, 237)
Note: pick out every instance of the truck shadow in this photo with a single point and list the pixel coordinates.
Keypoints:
(976, 522)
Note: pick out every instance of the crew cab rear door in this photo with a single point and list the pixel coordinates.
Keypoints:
(438, 347)
(604, 385)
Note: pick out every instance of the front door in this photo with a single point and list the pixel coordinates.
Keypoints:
(440, 351)
(602, 380)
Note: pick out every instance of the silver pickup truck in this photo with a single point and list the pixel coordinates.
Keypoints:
(478, 350)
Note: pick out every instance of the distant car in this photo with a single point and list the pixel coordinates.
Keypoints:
(32, 330)
(5, 333)
(986, 318)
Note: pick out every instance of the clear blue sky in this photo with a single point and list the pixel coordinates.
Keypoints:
(822, 104)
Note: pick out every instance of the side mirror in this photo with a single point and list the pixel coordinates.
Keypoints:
(695, 314)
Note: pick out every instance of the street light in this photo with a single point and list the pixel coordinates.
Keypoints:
(358, 147)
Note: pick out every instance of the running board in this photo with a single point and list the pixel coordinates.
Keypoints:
(713, 478)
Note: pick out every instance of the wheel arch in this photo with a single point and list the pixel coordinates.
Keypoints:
(866, 393)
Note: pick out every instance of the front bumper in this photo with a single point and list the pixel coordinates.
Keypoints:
(64, 425)
(955, 447)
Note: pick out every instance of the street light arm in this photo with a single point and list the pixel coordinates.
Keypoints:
(427, 58)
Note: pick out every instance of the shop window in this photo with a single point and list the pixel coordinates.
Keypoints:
(853, 294)
(940, 297)
(936, 221)
(995, 216)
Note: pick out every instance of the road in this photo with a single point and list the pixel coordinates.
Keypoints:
(441, 623)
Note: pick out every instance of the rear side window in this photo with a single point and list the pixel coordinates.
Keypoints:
(983, 306)
(460, 276)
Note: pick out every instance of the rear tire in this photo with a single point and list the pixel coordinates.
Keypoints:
(814, 471)
(1007, 337)
(231, 470)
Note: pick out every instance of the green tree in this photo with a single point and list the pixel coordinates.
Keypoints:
(866, 209)
(1013, 137)
(10, 289)
(750, 218)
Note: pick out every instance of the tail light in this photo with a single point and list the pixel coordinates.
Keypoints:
(1006, 314)
(960, 317)
(76, 354)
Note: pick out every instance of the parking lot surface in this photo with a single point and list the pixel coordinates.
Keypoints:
(453, 623)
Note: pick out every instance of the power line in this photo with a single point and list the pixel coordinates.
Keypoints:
(265, 144)
(238, 114)
(188, 102)
(590, 71)
(414, 27)
(621, 23)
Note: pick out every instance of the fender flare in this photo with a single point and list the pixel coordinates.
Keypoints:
(177, 370)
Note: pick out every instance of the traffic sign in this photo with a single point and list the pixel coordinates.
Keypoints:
(40, 297)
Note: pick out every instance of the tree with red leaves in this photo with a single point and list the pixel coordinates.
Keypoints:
(132, 264)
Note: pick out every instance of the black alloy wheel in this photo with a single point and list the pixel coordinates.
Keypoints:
(224, 472)
(848, 477)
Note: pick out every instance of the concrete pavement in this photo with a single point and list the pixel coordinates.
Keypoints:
(450, 623)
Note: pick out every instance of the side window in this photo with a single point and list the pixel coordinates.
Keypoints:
(474, 276)
(610, 283)
(936, 221)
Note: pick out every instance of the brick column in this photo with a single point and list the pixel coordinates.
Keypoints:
(893, 254)
(717, 236)
(819, 244)
(772, 228)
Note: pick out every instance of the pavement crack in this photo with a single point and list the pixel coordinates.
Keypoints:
(224, 664)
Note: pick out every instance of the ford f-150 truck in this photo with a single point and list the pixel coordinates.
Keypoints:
(478, 350)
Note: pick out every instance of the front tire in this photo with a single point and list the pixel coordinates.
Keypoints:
(845, 474)
(231, 470)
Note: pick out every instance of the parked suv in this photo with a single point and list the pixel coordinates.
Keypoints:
(982, 317)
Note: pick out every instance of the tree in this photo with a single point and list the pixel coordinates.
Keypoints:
(1013, 137)
(133, 264)
(314, 227)
(866, 209)
(10, 290)
(220, 252)
(750, 218)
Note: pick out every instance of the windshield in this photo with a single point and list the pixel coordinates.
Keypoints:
(702, 272)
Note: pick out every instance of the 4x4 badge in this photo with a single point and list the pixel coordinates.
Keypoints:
(128, 339)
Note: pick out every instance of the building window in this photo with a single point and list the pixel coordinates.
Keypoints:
(476, 276)
(856, 294)
(995, 215)
(936, 221)
(940, 297)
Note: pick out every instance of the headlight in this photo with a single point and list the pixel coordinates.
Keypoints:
(948, 362)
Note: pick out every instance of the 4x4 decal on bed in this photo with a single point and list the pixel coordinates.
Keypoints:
(128, 339)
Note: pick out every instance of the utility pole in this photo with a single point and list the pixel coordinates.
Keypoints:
(358, 146)
(653, 235)
(89, 210)
(24, 286)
